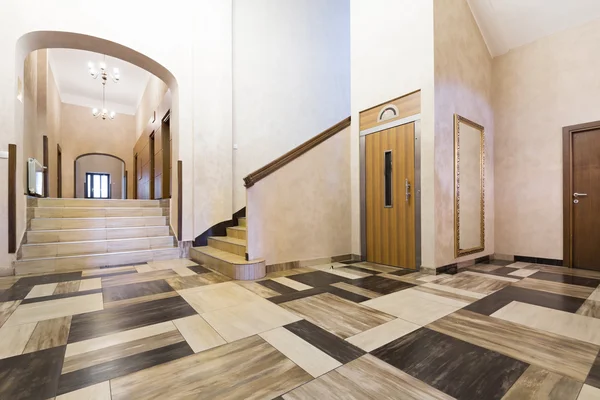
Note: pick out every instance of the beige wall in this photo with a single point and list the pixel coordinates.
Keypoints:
(302, 211)
(539, 89)
(100, 164)
(53, 112)
(463, 85)
(87, 134)
(153, 95)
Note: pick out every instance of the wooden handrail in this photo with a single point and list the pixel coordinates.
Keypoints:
(291, 155)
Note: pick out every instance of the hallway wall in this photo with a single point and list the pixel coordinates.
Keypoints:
(291, 73)
(100, 164)
(463, 85)
(538, 89)
(87, 134)
(153, 95)
(392, 55)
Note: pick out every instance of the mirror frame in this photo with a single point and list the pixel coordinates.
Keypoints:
(457, 250)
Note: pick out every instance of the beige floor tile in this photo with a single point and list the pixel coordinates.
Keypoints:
(355, 289)
(538, 383)
(488, 276)
(412, 306)
(14, 339)
(590, 308)
(258, 289)
(248, 318)
(427, 296)
(339, 316)
(564, 289)
(563, 323)
(99, 391)
(302, 353)
(519, 264)
(90, 284)
(183, 271)
(366, 378)
(589, 393)
(166, 264)
(382, 334)
(246, 369)
(432, 278)
(49, 333)
(8, 281)
(595, 295)
(67, 287)
(42, 290)
(350, 274)
(6, 310)
(523, 273)
(114, 339)
(51, 309)
(143, 268)
(461, 292)
(198, 333)
(292, 283)
(214, 297)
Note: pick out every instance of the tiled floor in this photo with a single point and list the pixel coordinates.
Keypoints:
(174, 329)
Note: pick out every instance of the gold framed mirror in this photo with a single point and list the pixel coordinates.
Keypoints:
(469, 192)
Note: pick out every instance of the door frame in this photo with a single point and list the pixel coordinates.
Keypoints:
(416, 118)
(87, 175)
(568, 132)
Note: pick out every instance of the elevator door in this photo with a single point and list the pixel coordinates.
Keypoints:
(390, 202)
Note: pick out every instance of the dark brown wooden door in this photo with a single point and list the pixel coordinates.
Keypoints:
(58, 171)
(390, 212)
(586, 199)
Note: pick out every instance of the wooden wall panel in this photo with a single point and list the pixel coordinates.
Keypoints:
(407, 105)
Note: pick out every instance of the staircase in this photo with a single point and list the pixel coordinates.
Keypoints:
(227, 255)
(76, 234)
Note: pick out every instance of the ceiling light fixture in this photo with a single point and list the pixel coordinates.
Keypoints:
(103, 73)
(103, 113)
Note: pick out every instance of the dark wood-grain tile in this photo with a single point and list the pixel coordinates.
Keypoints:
(123, 292)
(570, 279)
(276, 286)
(318, 278)
(459, 369)
(99, 323)
(380, 284)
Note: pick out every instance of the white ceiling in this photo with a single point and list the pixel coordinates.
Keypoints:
(76, 85)
(507, 24)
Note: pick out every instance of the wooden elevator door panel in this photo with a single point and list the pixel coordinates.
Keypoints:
(586, 212)
(390, 225)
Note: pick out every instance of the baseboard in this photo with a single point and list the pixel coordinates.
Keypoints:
(539, 260)
(309, 263)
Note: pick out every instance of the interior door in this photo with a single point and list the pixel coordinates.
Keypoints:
(586, 199)
(389, 196)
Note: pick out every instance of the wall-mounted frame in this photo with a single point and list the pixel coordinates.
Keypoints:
(469, 188)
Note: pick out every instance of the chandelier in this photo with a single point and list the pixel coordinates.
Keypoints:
(104, 112)
(104, 75)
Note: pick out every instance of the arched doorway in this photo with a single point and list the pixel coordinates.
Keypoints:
(99, 175)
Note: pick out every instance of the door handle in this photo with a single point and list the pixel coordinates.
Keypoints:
(577, 195)
(407, 189)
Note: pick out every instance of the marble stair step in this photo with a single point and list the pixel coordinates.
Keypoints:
(73, 235)
(237, 232)
(242, 221)
(229, 264)
(57, 249)
(51, 202)
(88, 223)
(88, 261)
(95, 212)
(229, 244)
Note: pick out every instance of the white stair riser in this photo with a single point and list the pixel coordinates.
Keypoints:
(95, 247)
(95, 212)
(95, 234)
(230, 247)
(91, 223)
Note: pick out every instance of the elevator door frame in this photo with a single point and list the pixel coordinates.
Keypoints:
(417, 184)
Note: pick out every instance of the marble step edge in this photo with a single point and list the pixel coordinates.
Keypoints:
(228, 264)
(230, 240)
(98, 218)
(89, 261)
(243, 221)
(225, 256)
(237, 228)
(60, 212)
(125, 241)
(97, 229)
(91, 253)
(61, 203)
